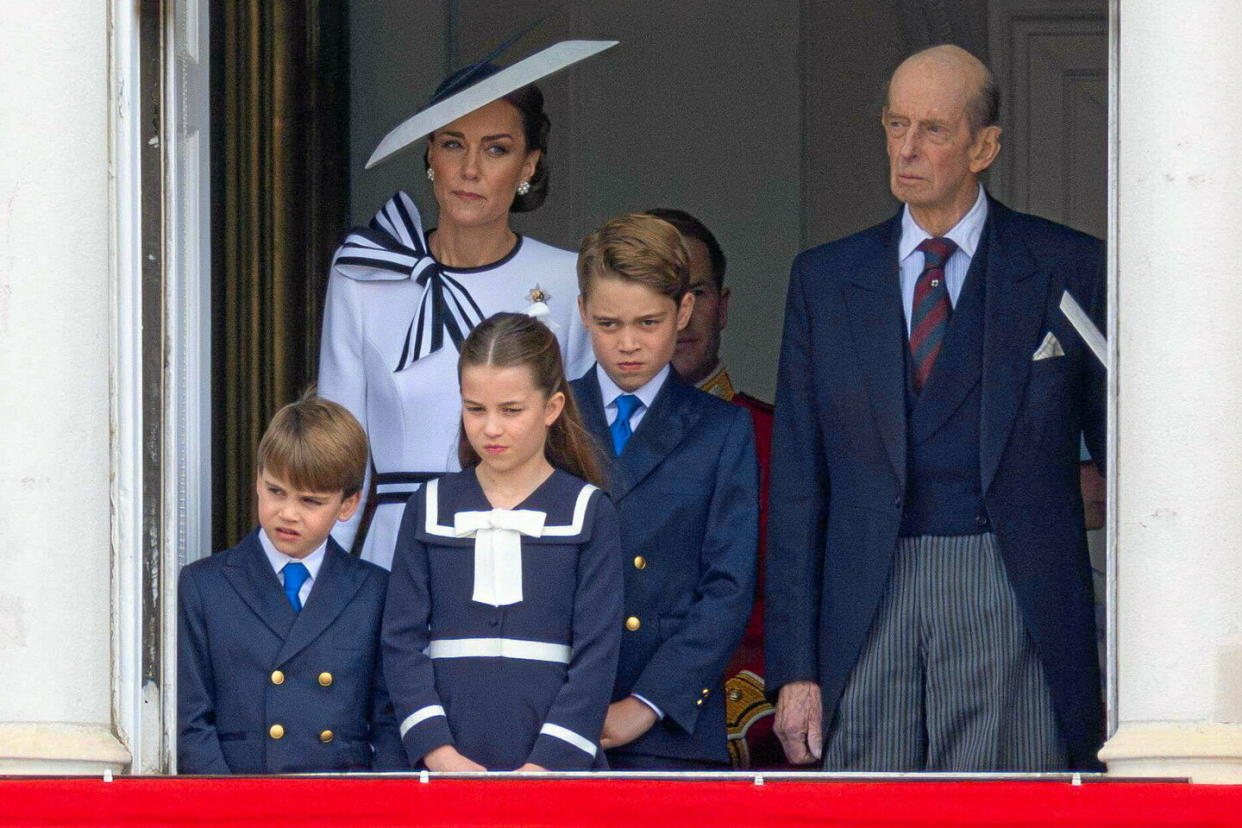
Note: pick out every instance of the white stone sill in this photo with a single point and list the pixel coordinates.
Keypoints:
(61, 749)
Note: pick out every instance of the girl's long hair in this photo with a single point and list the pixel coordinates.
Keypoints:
(506, 340)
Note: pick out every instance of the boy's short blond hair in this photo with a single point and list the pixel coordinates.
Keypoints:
(315, 445)
(636, 247)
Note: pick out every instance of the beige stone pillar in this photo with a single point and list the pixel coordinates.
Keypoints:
(1179, 470)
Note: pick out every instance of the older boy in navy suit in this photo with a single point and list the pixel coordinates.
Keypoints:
(278, 638)
(685, 483)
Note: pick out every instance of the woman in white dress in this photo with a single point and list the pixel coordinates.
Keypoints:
(401, 299)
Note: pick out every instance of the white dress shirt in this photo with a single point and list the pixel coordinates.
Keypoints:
(278, 560)
(609, 391)
(966, 233)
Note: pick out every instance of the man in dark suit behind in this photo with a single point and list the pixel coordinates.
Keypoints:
(929, 596)
(749, 715)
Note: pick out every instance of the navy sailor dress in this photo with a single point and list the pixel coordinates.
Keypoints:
(502, 627)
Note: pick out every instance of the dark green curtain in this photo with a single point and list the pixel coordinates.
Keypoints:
(280, 189)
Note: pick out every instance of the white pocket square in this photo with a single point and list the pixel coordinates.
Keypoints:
(1050, 347)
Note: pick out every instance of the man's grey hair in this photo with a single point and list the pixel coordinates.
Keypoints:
(983, 108)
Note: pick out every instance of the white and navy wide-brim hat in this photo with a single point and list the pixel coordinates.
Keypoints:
(478, 85)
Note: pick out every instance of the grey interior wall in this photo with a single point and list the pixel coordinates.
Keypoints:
(1051, 60)
(849, 50)
(398, 52)
(759, 117)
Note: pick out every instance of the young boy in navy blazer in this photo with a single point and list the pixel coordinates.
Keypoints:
(278, 638)
(685, 483)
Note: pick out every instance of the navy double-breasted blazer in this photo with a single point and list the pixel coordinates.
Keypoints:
(840, 442)
(246, 662)
(686, 490)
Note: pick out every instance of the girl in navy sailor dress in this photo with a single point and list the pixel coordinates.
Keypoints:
(503, 618)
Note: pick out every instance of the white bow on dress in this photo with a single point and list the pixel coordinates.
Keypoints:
(498, 550)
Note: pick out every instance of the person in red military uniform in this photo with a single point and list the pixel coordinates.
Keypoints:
(752, 744)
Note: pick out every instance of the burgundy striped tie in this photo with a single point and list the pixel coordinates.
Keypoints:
(929, 318)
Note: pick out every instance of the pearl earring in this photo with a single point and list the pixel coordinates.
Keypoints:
(523, 188)
(431, 174)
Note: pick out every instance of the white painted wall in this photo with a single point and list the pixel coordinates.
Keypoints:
(55, 562)
(1179, 542)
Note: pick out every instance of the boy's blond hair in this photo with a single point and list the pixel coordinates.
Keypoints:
(636, 247)
(315, 445)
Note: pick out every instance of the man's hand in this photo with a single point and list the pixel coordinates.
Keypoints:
(799, 722)
(1094, 495)
(626, 721)
(446, 758)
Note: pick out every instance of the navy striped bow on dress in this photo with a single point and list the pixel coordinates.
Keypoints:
(391, 248)
(930, 317)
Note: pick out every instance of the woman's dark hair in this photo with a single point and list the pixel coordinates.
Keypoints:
(535, 126)
(505, 340)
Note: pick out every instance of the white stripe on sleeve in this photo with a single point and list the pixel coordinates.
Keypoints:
(567, 735)
(420, 715)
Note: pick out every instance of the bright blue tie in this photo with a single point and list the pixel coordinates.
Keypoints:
(627, 404)
(295, 575)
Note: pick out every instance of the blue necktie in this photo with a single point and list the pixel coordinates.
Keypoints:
(627, 404)
(296, 574)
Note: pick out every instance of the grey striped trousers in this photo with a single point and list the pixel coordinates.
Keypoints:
(948, 678)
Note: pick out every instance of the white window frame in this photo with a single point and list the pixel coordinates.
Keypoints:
(1110, 521)
(145, 711)
(126, 377)
(145, 717)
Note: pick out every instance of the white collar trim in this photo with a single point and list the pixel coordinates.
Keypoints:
(432, 525)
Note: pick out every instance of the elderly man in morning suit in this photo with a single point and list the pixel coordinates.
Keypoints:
(929, 592)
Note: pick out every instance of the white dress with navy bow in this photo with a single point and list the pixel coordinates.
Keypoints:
(502, 627)
(388, 351)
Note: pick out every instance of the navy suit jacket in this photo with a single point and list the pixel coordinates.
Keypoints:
(236, 628)
(686, 488)
(840, 442)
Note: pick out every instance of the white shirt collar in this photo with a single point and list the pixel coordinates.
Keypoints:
(966, 233)
(609, 390)
(278, 559)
